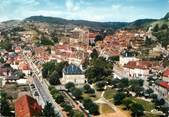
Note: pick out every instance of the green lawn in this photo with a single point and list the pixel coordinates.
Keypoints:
(109, 93)
(88, 96)
(148, 106)
(150, 115)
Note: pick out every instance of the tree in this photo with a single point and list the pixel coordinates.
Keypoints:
(48, 110)
(48, 68)
(118, 98)
(164, 26)
(162, 101)
(77, 113)
(76, 92)
(156, 28)
(100, 85)
(124, 82)
(147, 42)
(98, 38)
(86, 88)
(137, 109)
(92, 107)
(48, 50)
(59, 98)
(54, 37)
(46, 41)
(54, 78)
(6, 44)
(115, 81)
(5, 108)
(53, 91)
(94, 54)
(69, 85)
(66, 107)
(127, 102)
(2, 60)
(59, 67)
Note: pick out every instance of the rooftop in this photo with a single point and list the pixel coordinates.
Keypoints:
(27, 106)
(72, 69)
(166, 73)
(164, 84)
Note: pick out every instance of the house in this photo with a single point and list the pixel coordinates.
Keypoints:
(162, 88)
(24, 67)
(126, 57)
(27, 106)
(18, 49)
(73, 73)
(139, 69)
(166, 75)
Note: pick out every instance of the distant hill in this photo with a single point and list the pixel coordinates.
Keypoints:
(55, 20)
(93, 24)
(166, 16)
(141, 23)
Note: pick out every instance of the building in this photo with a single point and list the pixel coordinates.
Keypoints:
(74, 74)
(24, 67)
(139, 69)
(126, 57)
(166, 75)
(79, 35)
(27, 106)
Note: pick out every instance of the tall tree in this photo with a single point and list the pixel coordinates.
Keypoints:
(54, 78)
(94, 54)
(5, 108)
(137, 109)
(48, 110)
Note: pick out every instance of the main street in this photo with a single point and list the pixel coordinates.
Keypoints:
(42, 87)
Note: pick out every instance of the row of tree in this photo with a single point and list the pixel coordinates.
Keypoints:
(88, 104)
(162, 34)
(120, 98)
(59, 98)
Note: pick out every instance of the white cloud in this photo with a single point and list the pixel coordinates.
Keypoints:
(71, 6)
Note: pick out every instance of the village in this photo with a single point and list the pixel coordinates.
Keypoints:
(84, 72)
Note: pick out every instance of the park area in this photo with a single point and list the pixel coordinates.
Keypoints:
(109, 110)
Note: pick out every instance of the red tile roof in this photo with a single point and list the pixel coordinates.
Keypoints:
(164, 84)
(27, 106)
(166, 73)
(140, 64)
(24, 66)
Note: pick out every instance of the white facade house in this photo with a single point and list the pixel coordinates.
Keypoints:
(74, 74)
(138, 69)
(127, 57)
(21, 81)
(166, 75)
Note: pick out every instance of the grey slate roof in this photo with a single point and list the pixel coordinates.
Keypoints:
(72, 69)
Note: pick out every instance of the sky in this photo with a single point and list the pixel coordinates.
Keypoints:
(93, 10)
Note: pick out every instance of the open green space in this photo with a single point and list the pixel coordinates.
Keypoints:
(148, 106)
(109, 93)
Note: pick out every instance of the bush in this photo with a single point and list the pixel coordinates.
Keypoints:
(69, 85)
(76, 113)
(59, 98)
(76, 92)
(92, 107)
(137, 109)
(100, 85)
(127, 103)
(118, 98)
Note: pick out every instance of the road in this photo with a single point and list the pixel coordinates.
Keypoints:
(42, 87)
